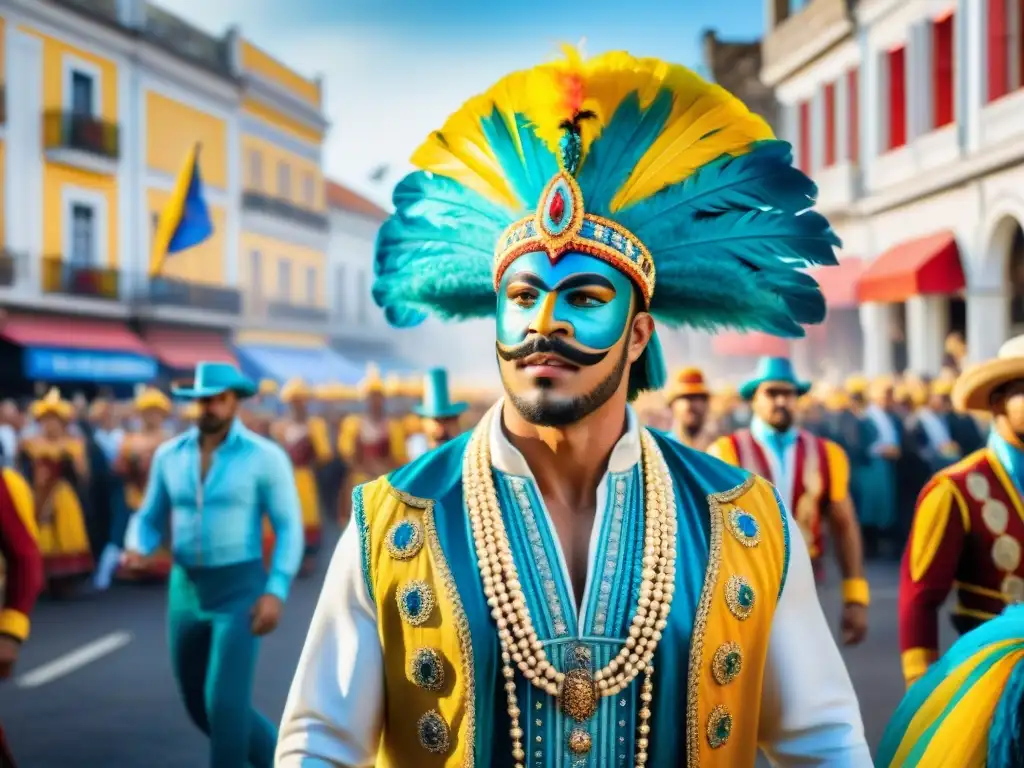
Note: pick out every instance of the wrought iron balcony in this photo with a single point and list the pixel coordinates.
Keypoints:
(69, 279)
(81, 133)
(285, 209)
(169, 292)
(303, 313)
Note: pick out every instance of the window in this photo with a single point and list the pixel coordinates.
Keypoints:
(339, 291)
(284, 280)
(256, 273)
(804, 129)
(998, 49)
(830, 124)
(255, 169)
(308, 190)
(284, 180)
(361, 297)
(83, 235)
(82, 93)
(897, 67)
(311, 286)
(942, 72)
(853, 115)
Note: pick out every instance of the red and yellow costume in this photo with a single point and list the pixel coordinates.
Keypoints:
(967, 534)
(309, 447)
(132, 465)
(56, 467)
(821, 477)
(369, 447)
(23, 562)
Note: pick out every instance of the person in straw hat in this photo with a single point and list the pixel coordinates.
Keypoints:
(212, 486)
(304, 438)
(689, 398)
(967, 533)
(56, 466)
(812, 475)
(463, 621)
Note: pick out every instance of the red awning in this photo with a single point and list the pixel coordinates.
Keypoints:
(839, 283)
(71, 333)
(182, 349)
(928, 265)
(749, 345)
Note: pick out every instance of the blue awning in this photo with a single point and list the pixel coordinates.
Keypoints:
(317, 365)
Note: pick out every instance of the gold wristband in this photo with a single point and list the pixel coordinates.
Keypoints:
(856, 591)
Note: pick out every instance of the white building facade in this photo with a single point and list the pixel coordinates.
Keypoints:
(910, 116)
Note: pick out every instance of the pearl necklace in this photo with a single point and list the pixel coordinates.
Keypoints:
(577, 690)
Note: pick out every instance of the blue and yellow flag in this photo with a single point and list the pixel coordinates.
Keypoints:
(185, 220)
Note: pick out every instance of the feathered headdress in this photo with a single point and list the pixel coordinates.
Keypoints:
(635, 161)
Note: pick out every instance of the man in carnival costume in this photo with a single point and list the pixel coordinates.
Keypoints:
(651, 605)
(967, 530)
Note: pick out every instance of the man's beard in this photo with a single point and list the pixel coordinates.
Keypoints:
(782, 420)
(209, 424)
(547, 409)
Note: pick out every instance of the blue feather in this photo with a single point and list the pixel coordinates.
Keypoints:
(522, 176)
(541, 163)
(444, 194)
(615, 153)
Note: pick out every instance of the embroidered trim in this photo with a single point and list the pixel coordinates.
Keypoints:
(784, 513)
(362, 526)
(416, 603)
(614, 542)
(716, 501)
(425, 668)
(433, 732)
(458, 614)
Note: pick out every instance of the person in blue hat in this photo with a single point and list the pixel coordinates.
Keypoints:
(811, 473)
(439, 414)
(214, 484)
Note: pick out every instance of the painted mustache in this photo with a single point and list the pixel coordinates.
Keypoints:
(550, 345)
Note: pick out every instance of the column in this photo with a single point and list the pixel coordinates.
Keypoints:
(874, 323)
(927, 326)
(131, 207)
(988, 322)
(971, 43)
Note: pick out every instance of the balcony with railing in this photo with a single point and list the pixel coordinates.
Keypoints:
(264, 311)
(184, 294)
(301, 313)
(257, 202)
(66, 278)
(81, 141)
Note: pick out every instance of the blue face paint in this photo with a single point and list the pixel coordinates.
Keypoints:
(560, 295)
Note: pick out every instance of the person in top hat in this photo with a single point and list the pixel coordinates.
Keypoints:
(55, 464)
(132, 464)
(581, 202)
(439, 414)
(304, 438)
(212, 486)
(811, 474)
(967, 532)
(689, 399)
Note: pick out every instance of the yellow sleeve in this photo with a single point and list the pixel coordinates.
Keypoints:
(320, 440)
(23, 499)
(348, 436)
(838, 471)
(722, 449)
(931, 521)
(397, 436)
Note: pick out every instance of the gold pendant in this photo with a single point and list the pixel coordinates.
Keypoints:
(578, 697)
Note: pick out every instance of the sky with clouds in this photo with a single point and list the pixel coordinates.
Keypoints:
(394, 69)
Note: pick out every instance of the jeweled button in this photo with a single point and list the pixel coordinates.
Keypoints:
(433, 732)
(415, 602)
(719, 727)
(726, 663)
(404, 539)
(740, 597)
(426, 669)
(744, 528)
(579, 741)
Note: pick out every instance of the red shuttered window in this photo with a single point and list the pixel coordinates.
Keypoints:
(804, 148)
(830, 125)
(998, 50)
(942, 72)
(897, 98)
(853, 114)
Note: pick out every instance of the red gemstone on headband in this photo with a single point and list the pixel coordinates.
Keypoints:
(556, 209)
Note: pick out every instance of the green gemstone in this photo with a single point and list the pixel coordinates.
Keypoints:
(732, 663)
(724, 727)
(745, 596)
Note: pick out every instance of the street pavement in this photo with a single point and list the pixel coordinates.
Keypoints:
(94, 688)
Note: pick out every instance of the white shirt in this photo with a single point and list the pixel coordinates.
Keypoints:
(887, 437)
(335, 708)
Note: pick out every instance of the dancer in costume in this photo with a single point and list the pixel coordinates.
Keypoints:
(966, 711)
(133, 464)
(212, 486)
(689, 398)
(56, 467)
(304, 438)
(813, 475)
(440, 416)
(967, 530)
(370, 443)
(23, 577)
(576, 200)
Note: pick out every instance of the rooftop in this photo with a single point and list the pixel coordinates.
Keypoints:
(342, 198)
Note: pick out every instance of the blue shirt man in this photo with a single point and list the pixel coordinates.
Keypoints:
(213, 485)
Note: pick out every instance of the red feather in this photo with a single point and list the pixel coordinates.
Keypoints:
(573, 88)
